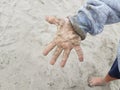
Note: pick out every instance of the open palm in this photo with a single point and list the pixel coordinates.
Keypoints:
(65, 40)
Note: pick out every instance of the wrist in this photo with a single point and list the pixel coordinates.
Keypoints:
(76, 27)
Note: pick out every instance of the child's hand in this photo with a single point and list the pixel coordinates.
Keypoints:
(65, 40)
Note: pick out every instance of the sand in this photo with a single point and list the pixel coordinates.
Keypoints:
(23, 35)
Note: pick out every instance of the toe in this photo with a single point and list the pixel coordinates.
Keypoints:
(90, 82)
(90, 85)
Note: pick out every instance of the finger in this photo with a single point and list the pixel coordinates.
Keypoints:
(79, 52)
(52, 20)
(65, 57)
(49, 48)
(56, 55)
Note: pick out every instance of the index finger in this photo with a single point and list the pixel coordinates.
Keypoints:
(50, 46)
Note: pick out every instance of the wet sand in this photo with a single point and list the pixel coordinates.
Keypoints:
(23, 36)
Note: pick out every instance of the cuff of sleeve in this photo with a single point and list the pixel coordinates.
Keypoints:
(76, 27)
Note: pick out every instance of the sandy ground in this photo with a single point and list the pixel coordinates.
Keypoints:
(23, 35)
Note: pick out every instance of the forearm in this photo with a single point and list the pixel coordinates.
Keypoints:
(94, 15)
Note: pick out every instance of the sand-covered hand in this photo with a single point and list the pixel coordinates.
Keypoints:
(65, 40)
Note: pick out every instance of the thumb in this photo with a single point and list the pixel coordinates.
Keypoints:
(52, 20)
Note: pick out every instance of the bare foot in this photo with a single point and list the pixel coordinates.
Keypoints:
(96, 81)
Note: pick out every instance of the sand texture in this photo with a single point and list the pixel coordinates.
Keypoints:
(23, 35)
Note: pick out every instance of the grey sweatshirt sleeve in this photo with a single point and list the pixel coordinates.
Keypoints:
(92, 17)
